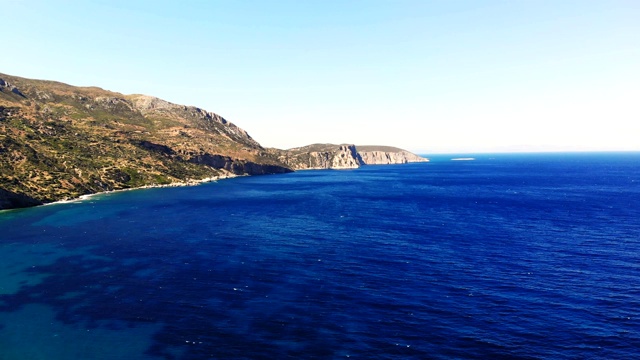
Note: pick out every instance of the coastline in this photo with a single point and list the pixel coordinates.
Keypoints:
(189, 182)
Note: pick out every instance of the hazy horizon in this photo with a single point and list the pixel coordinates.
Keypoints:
(429, 77)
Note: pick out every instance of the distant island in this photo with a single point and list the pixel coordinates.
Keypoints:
(60, 142)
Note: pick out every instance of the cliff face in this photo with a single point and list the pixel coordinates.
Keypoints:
(383, 155)
(330, 156)
(321, 156)
(59, 141)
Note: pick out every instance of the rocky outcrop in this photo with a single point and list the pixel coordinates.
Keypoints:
(321, 156)
(6, 86)
(383, 155)
(330, 156)
(153, 107)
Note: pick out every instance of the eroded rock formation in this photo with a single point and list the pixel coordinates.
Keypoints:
(382, 155)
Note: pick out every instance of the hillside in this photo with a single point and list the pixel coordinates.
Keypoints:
(59, 141)
(320, 156)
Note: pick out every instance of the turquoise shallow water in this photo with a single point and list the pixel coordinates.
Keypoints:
(506, 256)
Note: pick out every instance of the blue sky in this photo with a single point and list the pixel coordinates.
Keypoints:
(428, 76)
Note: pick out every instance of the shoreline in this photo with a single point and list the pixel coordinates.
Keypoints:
(150, 186)
(190, 182)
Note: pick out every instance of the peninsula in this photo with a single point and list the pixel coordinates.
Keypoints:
(60, 142)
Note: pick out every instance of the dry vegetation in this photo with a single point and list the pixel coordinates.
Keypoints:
(59, 141)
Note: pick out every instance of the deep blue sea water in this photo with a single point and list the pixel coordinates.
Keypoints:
(519, 256)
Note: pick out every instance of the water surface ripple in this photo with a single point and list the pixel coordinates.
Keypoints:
(507, 256)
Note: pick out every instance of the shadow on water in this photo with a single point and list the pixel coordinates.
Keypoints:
(208, 293)
(206, 307)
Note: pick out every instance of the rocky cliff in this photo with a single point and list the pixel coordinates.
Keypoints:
(344, 156)
(320, 156)
(373, 154)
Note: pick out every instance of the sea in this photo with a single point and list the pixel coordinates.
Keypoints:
(489, 256)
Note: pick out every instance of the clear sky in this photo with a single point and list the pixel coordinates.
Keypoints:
(427, 76)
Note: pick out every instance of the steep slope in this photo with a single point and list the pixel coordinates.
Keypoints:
(59, 141)
(320, 156)
(344, 156)
(375, 154)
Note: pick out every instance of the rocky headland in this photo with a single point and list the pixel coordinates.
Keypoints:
(343, 156)
(60, 142)
(320, 156)
(383, 155)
